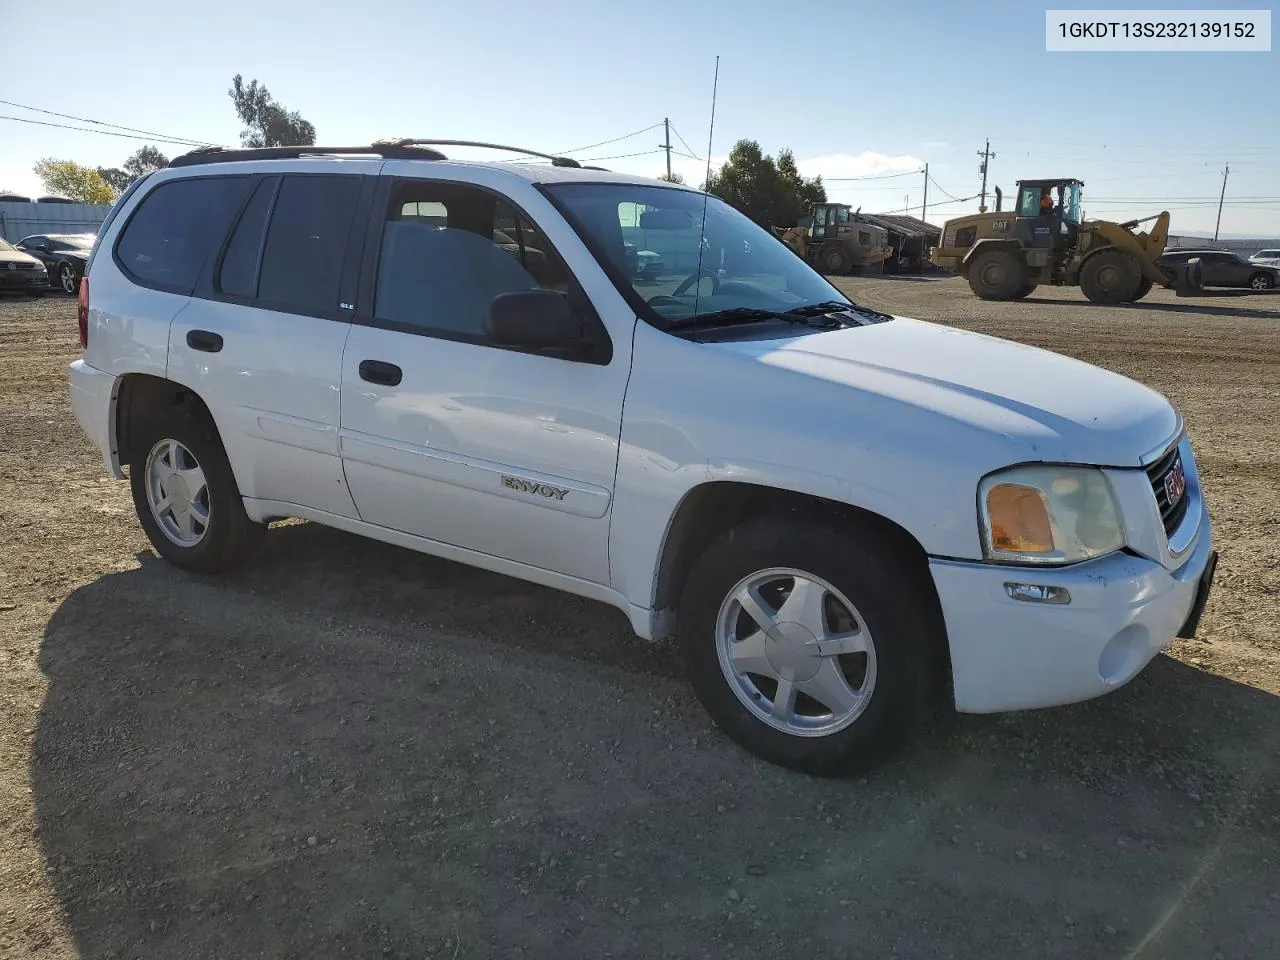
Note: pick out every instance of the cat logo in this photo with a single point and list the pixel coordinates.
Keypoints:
(533, 488)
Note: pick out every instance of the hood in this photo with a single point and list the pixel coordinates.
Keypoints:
(1044, 405)
(17, 256)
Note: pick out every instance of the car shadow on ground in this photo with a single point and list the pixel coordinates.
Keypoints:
(348, 749)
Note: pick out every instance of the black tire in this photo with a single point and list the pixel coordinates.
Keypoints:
(68, 279)
(893, 598)
(997, 275)
(1261, 281)
(1025, 291)
(229, 536)
(1143, 289)
(836, 261)
(1111, 276)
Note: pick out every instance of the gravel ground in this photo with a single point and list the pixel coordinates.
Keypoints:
(348, 749)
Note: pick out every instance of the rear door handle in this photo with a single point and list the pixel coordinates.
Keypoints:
(204, 340)
(379, 371)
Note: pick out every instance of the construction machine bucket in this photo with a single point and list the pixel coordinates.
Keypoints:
(1190, 279)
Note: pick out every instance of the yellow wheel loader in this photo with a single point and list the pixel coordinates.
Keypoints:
(835, 241)
(1005, 256)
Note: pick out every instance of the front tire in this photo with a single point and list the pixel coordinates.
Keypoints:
(1025, 291)
(1143, 289)
(836, 261)
(814, 646)
(997, 275)
(186, 495)
(68, 279)
(1261, 281)
(1111, 276)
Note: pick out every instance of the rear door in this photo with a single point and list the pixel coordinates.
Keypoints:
(261, 341)
(449, 437)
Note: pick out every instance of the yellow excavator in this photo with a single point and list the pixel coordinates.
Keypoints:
(1005, 256)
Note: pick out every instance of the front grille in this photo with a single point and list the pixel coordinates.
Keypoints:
(20, 265)
(1171, 516)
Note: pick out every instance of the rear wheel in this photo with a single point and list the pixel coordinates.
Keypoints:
(1261, 281)
(67, 278)
(836, 261)
(812, 647)
(997, 275)
(186, 495)
(1111, 276)
(1143, 289)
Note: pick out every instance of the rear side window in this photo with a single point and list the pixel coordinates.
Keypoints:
(177, 225)
(306, 242)
(238, 275)
(966, 236)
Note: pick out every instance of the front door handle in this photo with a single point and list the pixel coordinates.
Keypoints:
(379, 371)
(204, 340)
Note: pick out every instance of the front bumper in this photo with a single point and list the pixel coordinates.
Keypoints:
(13, 280)
(1011, 654)
(93, 395)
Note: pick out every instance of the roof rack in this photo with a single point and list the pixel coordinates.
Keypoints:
(389, 150)
(555, 161)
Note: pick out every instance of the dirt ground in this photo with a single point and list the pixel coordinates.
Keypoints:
(349, 749)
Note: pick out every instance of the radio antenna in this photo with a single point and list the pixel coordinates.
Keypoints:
(706, 185)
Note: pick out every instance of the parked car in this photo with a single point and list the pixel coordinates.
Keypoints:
(1269, 258)
(842, 517)
(20, 271)
(63, 254)
(1221, 268)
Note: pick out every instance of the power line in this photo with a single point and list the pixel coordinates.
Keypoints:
(876, 176)
(935, 183)
(620, 156)
(100, 123)
(690, 154)
(105, 133)
(592, 146)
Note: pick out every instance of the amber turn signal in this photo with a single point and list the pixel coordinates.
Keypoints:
(1019, 519)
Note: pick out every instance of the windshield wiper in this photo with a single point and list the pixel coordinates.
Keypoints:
(733, 316)
(828, 307)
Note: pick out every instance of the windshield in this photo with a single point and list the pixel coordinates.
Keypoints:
(653, 237)
(1071, 213)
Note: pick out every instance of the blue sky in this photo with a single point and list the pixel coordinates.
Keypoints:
(853, 88)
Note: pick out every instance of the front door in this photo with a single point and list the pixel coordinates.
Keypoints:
(449, 437)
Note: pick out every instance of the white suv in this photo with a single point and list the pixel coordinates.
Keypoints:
(844, 517)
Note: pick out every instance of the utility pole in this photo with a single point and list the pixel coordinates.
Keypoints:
(924, 206)
(986, 154)
(666, 126)
(1221, 198)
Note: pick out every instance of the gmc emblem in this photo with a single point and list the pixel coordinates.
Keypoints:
(1175, 483)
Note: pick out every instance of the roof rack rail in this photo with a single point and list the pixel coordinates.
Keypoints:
(555, 161)
(387, 149)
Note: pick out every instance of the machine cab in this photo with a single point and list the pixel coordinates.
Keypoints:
(827, 218)
(1048, 212)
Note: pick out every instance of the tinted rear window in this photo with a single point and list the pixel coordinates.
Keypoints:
(239, 272)
(306, 242)
(177, 225)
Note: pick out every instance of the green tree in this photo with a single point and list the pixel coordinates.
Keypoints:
(672, 178)
(65, 178)
(770, 193)
(145, 160)
(267, 123)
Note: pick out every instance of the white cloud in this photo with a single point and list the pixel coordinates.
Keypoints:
(863, 164)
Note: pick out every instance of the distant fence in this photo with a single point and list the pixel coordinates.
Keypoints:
(1243, 247)
(21, 219)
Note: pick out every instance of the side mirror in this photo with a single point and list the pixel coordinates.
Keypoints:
(533, 320)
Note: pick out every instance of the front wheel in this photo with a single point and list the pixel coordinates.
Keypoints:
(812, 647)
(1261, 281)
(1143, 289)
(1111, 276)
(67, 278)
(186, 495)
(836, 261)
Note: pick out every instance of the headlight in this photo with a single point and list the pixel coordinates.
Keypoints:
(1048, 514)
